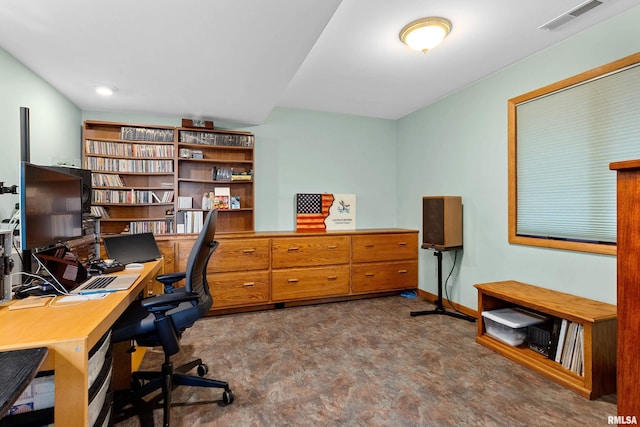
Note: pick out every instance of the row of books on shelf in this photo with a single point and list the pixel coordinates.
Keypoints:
(219, 198)
(229, 174)
(185, 202)
(106, 180)
(131, 196)
(189, 221)
(115, 180)
(219, 139)
(128, 149)
(129, 165)
(151, 226)
(131, 133)
(99, 212)
(567, 345)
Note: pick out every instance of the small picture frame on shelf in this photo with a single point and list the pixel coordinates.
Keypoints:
(235, 202)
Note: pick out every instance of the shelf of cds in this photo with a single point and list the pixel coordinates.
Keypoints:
(141, 173)
(133, 179)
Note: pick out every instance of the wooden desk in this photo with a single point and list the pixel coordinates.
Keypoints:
(69, 333)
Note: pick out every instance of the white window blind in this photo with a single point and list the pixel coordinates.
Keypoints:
(565, 142)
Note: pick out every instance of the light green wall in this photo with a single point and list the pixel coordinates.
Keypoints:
(309, 152)
(55, 123)
(458, 146)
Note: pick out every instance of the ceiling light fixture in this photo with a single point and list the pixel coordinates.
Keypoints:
(425, 33)
(106, 90)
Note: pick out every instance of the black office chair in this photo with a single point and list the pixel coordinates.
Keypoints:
(160, 320)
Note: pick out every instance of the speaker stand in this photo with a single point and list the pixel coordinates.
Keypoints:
(439, 306)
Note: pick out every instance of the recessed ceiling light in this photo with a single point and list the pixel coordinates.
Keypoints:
(106, 90)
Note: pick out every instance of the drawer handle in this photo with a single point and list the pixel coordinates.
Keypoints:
(369, 246)
(402, 243)
(369, 274)
(293, 249)
(332, 278)
(402, 271)
(292, 280)
(332, 247)
(249, 285)
(249, 251)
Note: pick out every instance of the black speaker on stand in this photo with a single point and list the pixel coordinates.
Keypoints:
(442, 231)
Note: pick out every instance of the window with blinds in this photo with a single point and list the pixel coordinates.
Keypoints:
(562, 139)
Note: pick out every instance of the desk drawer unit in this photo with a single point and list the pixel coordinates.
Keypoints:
(239, 288)
(310, 251)
(304, 283)
(231, 255)
(384, 247)
(373, 277)
(240, 255)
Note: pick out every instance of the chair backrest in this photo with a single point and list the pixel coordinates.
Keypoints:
(203, 248)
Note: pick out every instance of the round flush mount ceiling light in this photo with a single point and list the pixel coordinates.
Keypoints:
(425, 33)
(106, 90)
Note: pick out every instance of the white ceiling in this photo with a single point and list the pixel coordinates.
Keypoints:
(235, 60)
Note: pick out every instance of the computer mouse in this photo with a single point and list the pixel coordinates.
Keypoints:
(134, 266)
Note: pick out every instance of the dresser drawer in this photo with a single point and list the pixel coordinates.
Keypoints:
(304, 283)
(384, 276)
(238, 289)
(308, 251)
(240, 255)
(231, 255)
(384, 247)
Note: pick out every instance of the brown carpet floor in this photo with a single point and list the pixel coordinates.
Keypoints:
(361, 363)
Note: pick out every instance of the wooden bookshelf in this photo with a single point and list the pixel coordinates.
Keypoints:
(129, 162)
(203, 158)
(139, 171)
(597, 318)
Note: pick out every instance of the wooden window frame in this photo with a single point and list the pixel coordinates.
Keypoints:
(512, 167)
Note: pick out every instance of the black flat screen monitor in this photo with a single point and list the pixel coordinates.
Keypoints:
(129, 248)
(50, 206)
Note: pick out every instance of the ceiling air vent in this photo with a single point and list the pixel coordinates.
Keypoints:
(570, 14)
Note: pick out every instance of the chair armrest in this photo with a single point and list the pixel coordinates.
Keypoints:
(165, 302)
(169, 279)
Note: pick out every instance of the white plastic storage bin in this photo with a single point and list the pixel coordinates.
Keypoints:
(509, 325)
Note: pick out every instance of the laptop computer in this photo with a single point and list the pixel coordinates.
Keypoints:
(132, 248)
(64, 267)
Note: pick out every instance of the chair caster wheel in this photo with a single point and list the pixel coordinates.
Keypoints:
(227, 397)
(203, 369)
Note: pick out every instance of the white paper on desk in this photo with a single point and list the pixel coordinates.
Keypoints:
(76, 298)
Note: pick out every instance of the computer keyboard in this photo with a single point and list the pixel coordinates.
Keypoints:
(100, 282)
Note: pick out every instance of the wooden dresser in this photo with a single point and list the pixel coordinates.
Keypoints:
(271, 269)
(628, 299)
